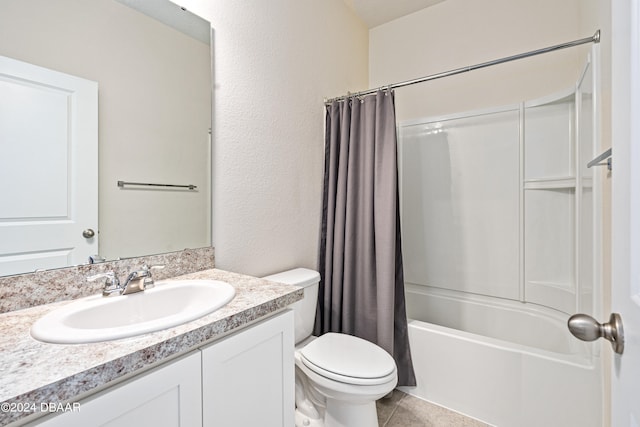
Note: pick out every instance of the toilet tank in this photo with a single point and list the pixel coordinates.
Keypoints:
(305, 309)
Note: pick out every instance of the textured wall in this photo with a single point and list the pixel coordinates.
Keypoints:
(274, 62)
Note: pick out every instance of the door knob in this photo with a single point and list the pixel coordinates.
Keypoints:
(88, 233)
(586, 328)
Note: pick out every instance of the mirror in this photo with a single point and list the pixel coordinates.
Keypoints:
(152, 65)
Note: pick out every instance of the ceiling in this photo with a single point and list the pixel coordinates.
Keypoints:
(377, 12)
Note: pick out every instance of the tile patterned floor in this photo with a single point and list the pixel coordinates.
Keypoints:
(403, 410)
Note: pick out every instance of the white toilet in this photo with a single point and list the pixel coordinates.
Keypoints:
(338, 377)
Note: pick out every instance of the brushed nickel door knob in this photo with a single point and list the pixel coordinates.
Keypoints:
(586, 328)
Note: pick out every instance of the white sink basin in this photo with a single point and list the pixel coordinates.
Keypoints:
(98, 318)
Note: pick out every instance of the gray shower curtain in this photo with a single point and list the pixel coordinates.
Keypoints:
(360, 260)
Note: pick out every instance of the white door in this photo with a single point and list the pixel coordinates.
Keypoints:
(625, 399)
(48, 168)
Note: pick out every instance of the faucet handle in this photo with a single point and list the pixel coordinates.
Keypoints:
(111, 285)
(148, 280)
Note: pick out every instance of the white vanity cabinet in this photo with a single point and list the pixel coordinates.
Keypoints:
(166, 396)
(243, 379)
(248, 378)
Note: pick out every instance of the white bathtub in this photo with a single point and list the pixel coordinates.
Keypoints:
(505, 363)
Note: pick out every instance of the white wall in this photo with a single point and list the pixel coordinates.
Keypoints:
(275, 61)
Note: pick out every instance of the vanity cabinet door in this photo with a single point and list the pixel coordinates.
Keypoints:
(167, 396)
(248, 377)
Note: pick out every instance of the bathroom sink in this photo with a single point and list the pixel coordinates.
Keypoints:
(98, 318)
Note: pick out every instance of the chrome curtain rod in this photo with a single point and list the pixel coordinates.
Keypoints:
(593, 39)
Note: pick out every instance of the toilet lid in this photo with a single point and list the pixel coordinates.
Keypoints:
(348, 356)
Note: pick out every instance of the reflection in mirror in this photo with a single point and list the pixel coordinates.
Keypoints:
(152, 77)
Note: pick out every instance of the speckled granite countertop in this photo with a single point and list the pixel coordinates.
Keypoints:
(33, 372)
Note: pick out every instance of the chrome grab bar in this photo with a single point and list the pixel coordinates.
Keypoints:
(148, 184)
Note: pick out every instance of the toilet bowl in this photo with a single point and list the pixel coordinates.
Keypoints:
(349, 374)
(338, 377)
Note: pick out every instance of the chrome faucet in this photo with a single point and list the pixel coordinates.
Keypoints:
(137, 281)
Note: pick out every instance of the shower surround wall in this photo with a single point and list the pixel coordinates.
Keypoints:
(500, 202)
(501, 244)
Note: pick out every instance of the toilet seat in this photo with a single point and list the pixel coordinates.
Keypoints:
(348, 359)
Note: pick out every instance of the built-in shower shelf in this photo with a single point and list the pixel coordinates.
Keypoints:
(549, 183)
